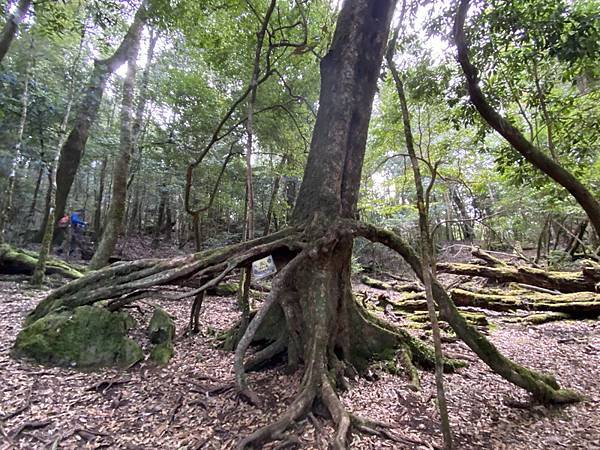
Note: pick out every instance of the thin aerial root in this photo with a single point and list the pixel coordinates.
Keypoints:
(339, 414)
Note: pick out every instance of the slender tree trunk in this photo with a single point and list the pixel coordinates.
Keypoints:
(72, 150)
(12, 24)
(99, 198)
(40, 270)
(274, 192)
(427, 255)
(36, 193)
(160, 216)
(519, 142)
(10, 188)
(121, 168)
(249, 223)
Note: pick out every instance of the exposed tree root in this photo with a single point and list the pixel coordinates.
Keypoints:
(310, 313)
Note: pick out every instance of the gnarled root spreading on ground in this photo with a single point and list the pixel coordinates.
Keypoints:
(310, 316)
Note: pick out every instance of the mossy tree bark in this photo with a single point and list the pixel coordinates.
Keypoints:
(567, 282)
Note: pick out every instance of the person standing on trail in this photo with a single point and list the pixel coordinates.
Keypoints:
(78, 225)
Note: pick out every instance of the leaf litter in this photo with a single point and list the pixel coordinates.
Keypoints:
(191, 403)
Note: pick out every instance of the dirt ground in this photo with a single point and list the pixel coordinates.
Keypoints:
(190, 404)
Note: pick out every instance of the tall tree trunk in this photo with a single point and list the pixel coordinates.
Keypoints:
(12, 24)
(10, 188)
(72, 150)
(160, 216)
(519, 142)
(121, 168)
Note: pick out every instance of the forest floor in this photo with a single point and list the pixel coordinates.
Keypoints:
(190, 404)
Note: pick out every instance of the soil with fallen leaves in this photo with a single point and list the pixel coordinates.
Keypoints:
(191, 404)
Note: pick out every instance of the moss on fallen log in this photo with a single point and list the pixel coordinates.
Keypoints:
(566, 282)
(538, 319)
(577, 305)
(19, 261)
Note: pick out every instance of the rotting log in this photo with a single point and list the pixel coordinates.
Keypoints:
(566, 282)
(23, 262)
(582, 305)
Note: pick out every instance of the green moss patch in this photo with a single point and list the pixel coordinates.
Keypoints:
(162, 353)
(86, 337)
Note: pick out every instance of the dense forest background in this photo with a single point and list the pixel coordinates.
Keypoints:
(333, 212)
(538, 63)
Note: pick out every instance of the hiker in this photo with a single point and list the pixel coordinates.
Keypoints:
(78, 225)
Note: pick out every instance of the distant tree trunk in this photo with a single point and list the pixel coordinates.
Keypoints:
(519, 142)
(72, 150)
(274, 192)
(12, 24)
(465, 224)
(160, 215)
(36, 193)
(10, 188)
(577, 238)
(121, 168)
(99, 197)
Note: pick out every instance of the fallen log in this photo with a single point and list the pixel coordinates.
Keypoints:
(487, 257)
(23, 262)
(579, 305)
(398, 287)
(566, 282)
(540, 318)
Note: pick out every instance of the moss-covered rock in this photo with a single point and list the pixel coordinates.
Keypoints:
(86, 337)
(162, 327)
(162, 353)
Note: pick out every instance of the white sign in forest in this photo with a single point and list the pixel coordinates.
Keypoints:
(263, 268)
